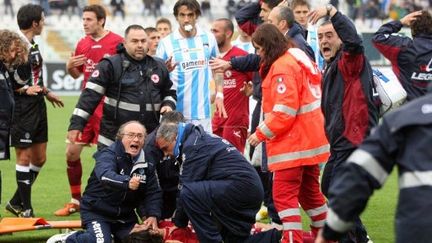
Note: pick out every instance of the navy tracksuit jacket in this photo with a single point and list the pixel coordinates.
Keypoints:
(411, 59)
(220, 192)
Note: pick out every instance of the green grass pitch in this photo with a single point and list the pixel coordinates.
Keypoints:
(51, 190)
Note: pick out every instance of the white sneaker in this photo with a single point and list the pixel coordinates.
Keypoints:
(60, 238)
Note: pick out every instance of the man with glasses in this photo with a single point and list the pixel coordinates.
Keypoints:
(122, 181)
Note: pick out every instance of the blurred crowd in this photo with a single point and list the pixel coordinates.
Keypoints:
(371, 12)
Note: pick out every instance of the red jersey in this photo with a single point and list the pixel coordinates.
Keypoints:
(95, 51)
(235, 102)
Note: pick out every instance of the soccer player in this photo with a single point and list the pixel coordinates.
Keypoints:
(163, 25)
(153, 38)
(301, 9)
(191, 48)
(234, 128)
(97, 44)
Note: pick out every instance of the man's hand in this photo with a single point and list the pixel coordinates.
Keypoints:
(138, 228)
(247, 88)
(219, 64)
(134, 183)
(75, 61)
(220, 108)
(319, 13)
(54, 99)
(408, 19)
(170, 66)
(33, 90)
(151, 223)
(253, 140)
(165, 108)
(73, 136)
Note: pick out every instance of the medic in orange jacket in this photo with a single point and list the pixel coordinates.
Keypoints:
(293, 126)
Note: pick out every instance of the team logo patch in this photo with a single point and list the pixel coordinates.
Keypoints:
(95, 74)
(155, 78)
(281, 88)
(228, 73)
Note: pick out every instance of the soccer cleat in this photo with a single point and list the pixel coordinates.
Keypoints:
(68, 209)
(14, 209)
(28, 213)
(60, 238)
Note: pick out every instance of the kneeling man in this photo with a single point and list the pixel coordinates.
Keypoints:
(220, 192)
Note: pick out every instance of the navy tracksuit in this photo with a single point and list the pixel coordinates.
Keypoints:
(411, 59)
(108, 205)
(348, 105)
(402, 140)
(220, 192)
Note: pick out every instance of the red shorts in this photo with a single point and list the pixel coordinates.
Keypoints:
(236, 135)
(90, 132)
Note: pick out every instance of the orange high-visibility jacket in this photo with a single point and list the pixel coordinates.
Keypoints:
(293, 126)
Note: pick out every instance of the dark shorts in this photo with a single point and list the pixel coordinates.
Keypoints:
(29, 125)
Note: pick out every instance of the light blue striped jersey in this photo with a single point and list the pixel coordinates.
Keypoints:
(245, 46)
(312, 40)
(192, 75)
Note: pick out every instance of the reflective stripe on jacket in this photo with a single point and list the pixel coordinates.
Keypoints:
(293, 127)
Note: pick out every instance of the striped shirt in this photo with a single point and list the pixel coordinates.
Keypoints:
(312, 39)
(245, 46)
(192, 75)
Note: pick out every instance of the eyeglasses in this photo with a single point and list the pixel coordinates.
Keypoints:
(132, 135)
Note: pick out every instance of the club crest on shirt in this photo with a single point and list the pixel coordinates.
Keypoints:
(155, 78)
(228, 73)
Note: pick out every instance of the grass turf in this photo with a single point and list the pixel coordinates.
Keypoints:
(51, 190)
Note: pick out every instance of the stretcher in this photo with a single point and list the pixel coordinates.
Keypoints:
(11, 225)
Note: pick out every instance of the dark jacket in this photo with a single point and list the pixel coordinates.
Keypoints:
(348, 102)
(248, 17)
(297, 33)
(6, 111)
(168, 172)
(411, 59)
(204, 157)
(107, 194)
(130, 89)
(402, 140)
(251, 62)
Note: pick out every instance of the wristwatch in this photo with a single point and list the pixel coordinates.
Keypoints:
(329, 8)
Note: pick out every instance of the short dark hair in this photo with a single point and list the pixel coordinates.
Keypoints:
(150, 30)
(190, 4)
(271, 3)
(28, 14)
(98, 10)
(163, 21)
(286, 13)
(133, 27)
(422, 24)
(296, 3)
(143, 236)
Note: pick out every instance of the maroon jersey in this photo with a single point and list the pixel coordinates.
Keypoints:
(235, 102)
(95, 51)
